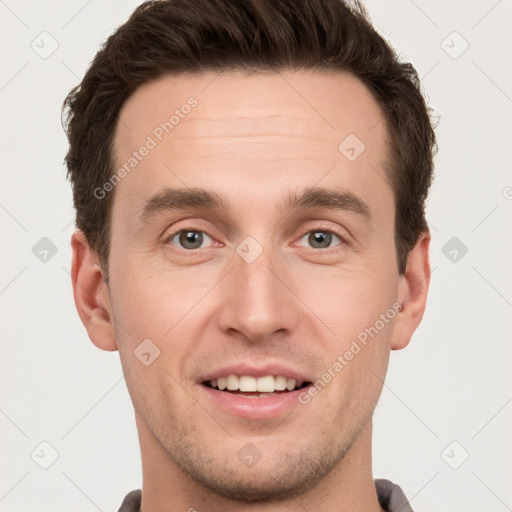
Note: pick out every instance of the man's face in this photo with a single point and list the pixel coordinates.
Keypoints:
(257, 287)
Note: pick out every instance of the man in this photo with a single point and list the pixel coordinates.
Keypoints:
(250, 179)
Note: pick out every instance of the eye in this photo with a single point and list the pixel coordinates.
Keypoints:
(320, 239)
(189, 239)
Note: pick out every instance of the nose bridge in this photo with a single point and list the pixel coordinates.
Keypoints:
(259, 303)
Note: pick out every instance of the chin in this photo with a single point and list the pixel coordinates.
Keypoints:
(283, 477)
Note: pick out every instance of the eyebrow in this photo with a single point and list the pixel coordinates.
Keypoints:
(175, 199)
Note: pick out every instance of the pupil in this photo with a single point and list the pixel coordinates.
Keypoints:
(320, 237)
(189, 238)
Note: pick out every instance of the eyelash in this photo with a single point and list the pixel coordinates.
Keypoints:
(169, 239)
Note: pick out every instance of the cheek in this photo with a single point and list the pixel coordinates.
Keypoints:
(356, 363)
(349, 299)
(357, 305)
(161, 313)
(152, 298)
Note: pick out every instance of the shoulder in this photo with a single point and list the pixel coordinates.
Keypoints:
(391, 497)
(131, 502)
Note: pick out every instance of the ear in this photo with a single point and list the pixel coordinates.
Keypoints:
(412, 293)
(91, 294)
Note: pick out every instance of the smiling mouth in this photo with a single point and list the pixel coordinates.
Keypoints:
(253, 387)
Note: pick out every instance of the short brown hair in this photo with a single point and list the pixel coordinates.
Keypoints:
(176, 36)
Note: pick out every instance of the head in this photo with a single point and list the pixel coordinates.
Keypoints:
(250, 182)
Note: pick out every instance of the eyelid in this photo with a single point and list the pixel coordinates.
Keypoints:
(327, 250)
(168, 238)
(325, 226)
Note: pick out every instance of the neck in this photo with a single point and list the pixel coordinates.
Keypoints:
(349, 487)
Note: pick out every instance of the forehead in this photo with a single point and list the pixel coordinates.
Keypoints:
(325, 104)
(235, 129)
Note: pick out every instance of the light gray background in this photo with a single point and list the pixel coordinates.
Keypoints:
(453, 382)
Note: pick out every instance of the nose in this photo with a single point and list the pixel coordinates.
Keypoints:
(259, 301)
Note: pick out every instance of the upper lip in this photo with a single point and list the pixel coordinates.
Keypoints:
(260, 370)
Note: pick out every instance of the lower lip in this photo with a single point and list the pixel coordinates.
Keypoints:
(255, 408)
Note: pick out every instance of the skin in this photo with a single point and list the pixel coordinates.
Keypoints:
(253, 138)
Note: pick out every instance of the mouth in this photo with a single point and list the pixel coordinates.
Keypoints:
(248, 386)
(265, 391)
(258, 398)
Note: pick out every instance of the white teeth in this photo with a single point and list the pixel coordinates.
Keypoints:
(248, 384)
(221, 383)
(260, 395)
(265, 384)
(232, 382)
(280, 383)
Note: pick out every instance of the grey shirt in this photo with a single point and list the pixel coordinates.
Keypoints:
(391, 498)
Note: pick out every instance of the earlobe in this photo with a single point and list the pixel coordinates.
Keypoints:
(91, 294)
(412, 293)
